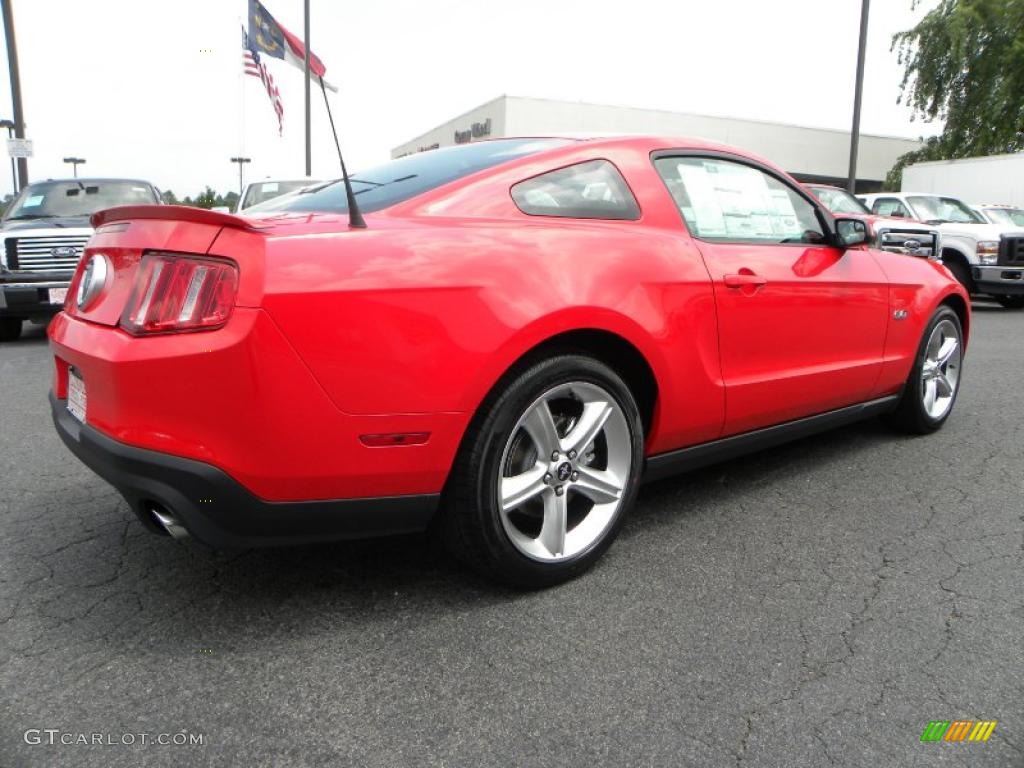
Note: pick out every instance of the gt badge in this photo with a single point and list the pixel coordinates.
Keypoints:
(900, 314)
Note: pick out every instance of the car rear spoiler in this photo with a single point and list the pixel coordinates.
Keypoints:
(170, 213)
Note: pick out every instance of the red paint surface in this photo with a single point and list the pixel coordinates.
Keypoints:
(404, 327)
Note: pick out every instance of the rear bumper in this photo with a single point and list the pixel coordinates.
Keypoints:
(240, 399)
(999, 280)
(217, 510)
(28, 296)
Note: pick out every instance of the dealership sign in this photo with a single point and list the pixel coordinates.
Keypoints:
(475, 131)
(19, 147)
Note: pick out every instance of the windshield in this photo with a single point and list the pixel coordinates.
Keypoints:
(268, 190)
(406, 177)
(839, 200)
(935, 209)
(59, 199)
(1009, 216)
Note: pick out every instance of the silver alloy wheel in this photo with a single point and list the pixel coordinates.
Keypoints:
(563, 472)
(940, 374)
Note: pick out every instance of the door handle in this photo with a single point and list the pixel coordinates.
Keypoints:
(743, 280)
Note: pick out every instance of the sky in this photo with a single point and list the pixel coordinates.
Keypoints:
(154, 90)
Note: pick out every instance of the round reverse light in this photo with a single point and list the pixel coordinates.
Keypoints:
(93, 280)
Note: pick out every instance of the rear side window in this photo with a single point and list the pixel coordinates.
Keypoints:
(591, 190)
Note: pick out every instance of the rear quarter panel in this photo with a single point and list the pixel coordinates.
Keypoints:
(426, 314)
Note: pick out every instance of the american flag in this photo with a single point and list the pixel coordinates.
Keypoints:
(253, 65)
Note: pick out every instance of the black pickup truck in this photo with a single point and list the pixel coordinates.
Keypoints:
(44, 231)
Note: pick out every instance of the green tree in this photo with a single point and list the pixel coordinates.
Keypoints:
(207, 198)
(169, 197)
(964, 64)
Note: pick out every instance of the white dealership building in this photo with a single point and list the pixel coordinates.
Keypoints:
(809, 154)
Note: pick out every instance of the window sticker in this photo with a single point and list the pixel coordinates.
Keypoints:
(269, 186)
(705, 209)
(33, 201)
(736, 202)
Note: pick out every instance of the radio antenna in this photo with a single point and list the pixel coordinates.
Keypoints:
(355, 217)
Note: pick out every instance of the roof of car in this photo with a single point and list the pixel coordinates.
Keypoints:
(922, 194)
(92, 180)
(283, 181)
(651, 143)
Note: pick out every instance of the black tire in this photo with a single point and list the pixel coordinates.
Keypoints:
(10, 328)
(962, 273)
(911, 415)
(1011, 302)
(472, 525)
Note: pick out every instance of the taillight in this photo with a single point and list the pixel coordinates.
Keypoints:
(175, 293)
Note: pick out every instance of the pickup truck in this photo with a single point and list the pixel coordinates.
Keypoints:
(258, 192)
(986, 258)
(995, 213)
(44, 231)
(885, 233)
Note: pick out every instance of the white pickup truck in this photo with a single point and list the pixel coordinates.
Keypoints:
(985, 258)
(257, 192)
(43, 233)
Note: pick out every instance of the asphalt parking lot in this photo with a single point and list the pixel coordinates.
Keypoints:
(815, 605)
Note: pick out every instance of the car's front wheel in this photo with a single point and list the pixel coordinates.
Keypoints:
(546, 473)
(931, 390)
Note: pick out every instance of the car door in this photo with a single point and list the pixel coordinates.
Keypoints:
(801, 322)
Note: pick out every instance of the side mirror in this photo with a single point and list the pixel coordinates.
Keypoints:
(851, 232)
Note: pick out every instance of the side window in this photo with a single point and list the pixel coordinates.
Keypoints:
(590, 190)
(890, 206)
(726, 201)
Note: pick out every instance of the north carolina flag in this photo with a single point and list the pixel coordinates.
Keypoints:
(269, 37)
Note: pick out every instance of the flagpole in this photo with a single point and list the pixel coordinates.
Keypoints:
(309, 151)
(241, 104)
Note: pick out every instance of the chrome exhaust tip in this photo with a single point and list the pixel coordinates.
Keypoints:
(168, 522)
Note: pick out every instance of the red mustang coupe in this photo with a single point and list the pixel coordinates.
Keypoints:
(522, 332)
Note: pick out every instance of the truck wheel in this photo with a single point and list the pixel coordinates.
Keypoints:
(934, 382)
(546, 473)
(1011, 302)
(10, 328)
(962, 273)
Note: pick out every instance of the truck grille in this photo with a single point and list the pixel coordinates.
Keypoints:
(905, 240)
(54, 253)
(1011, 251)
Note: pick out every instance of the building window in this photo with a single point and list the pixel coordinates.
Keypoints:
(590, 190)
